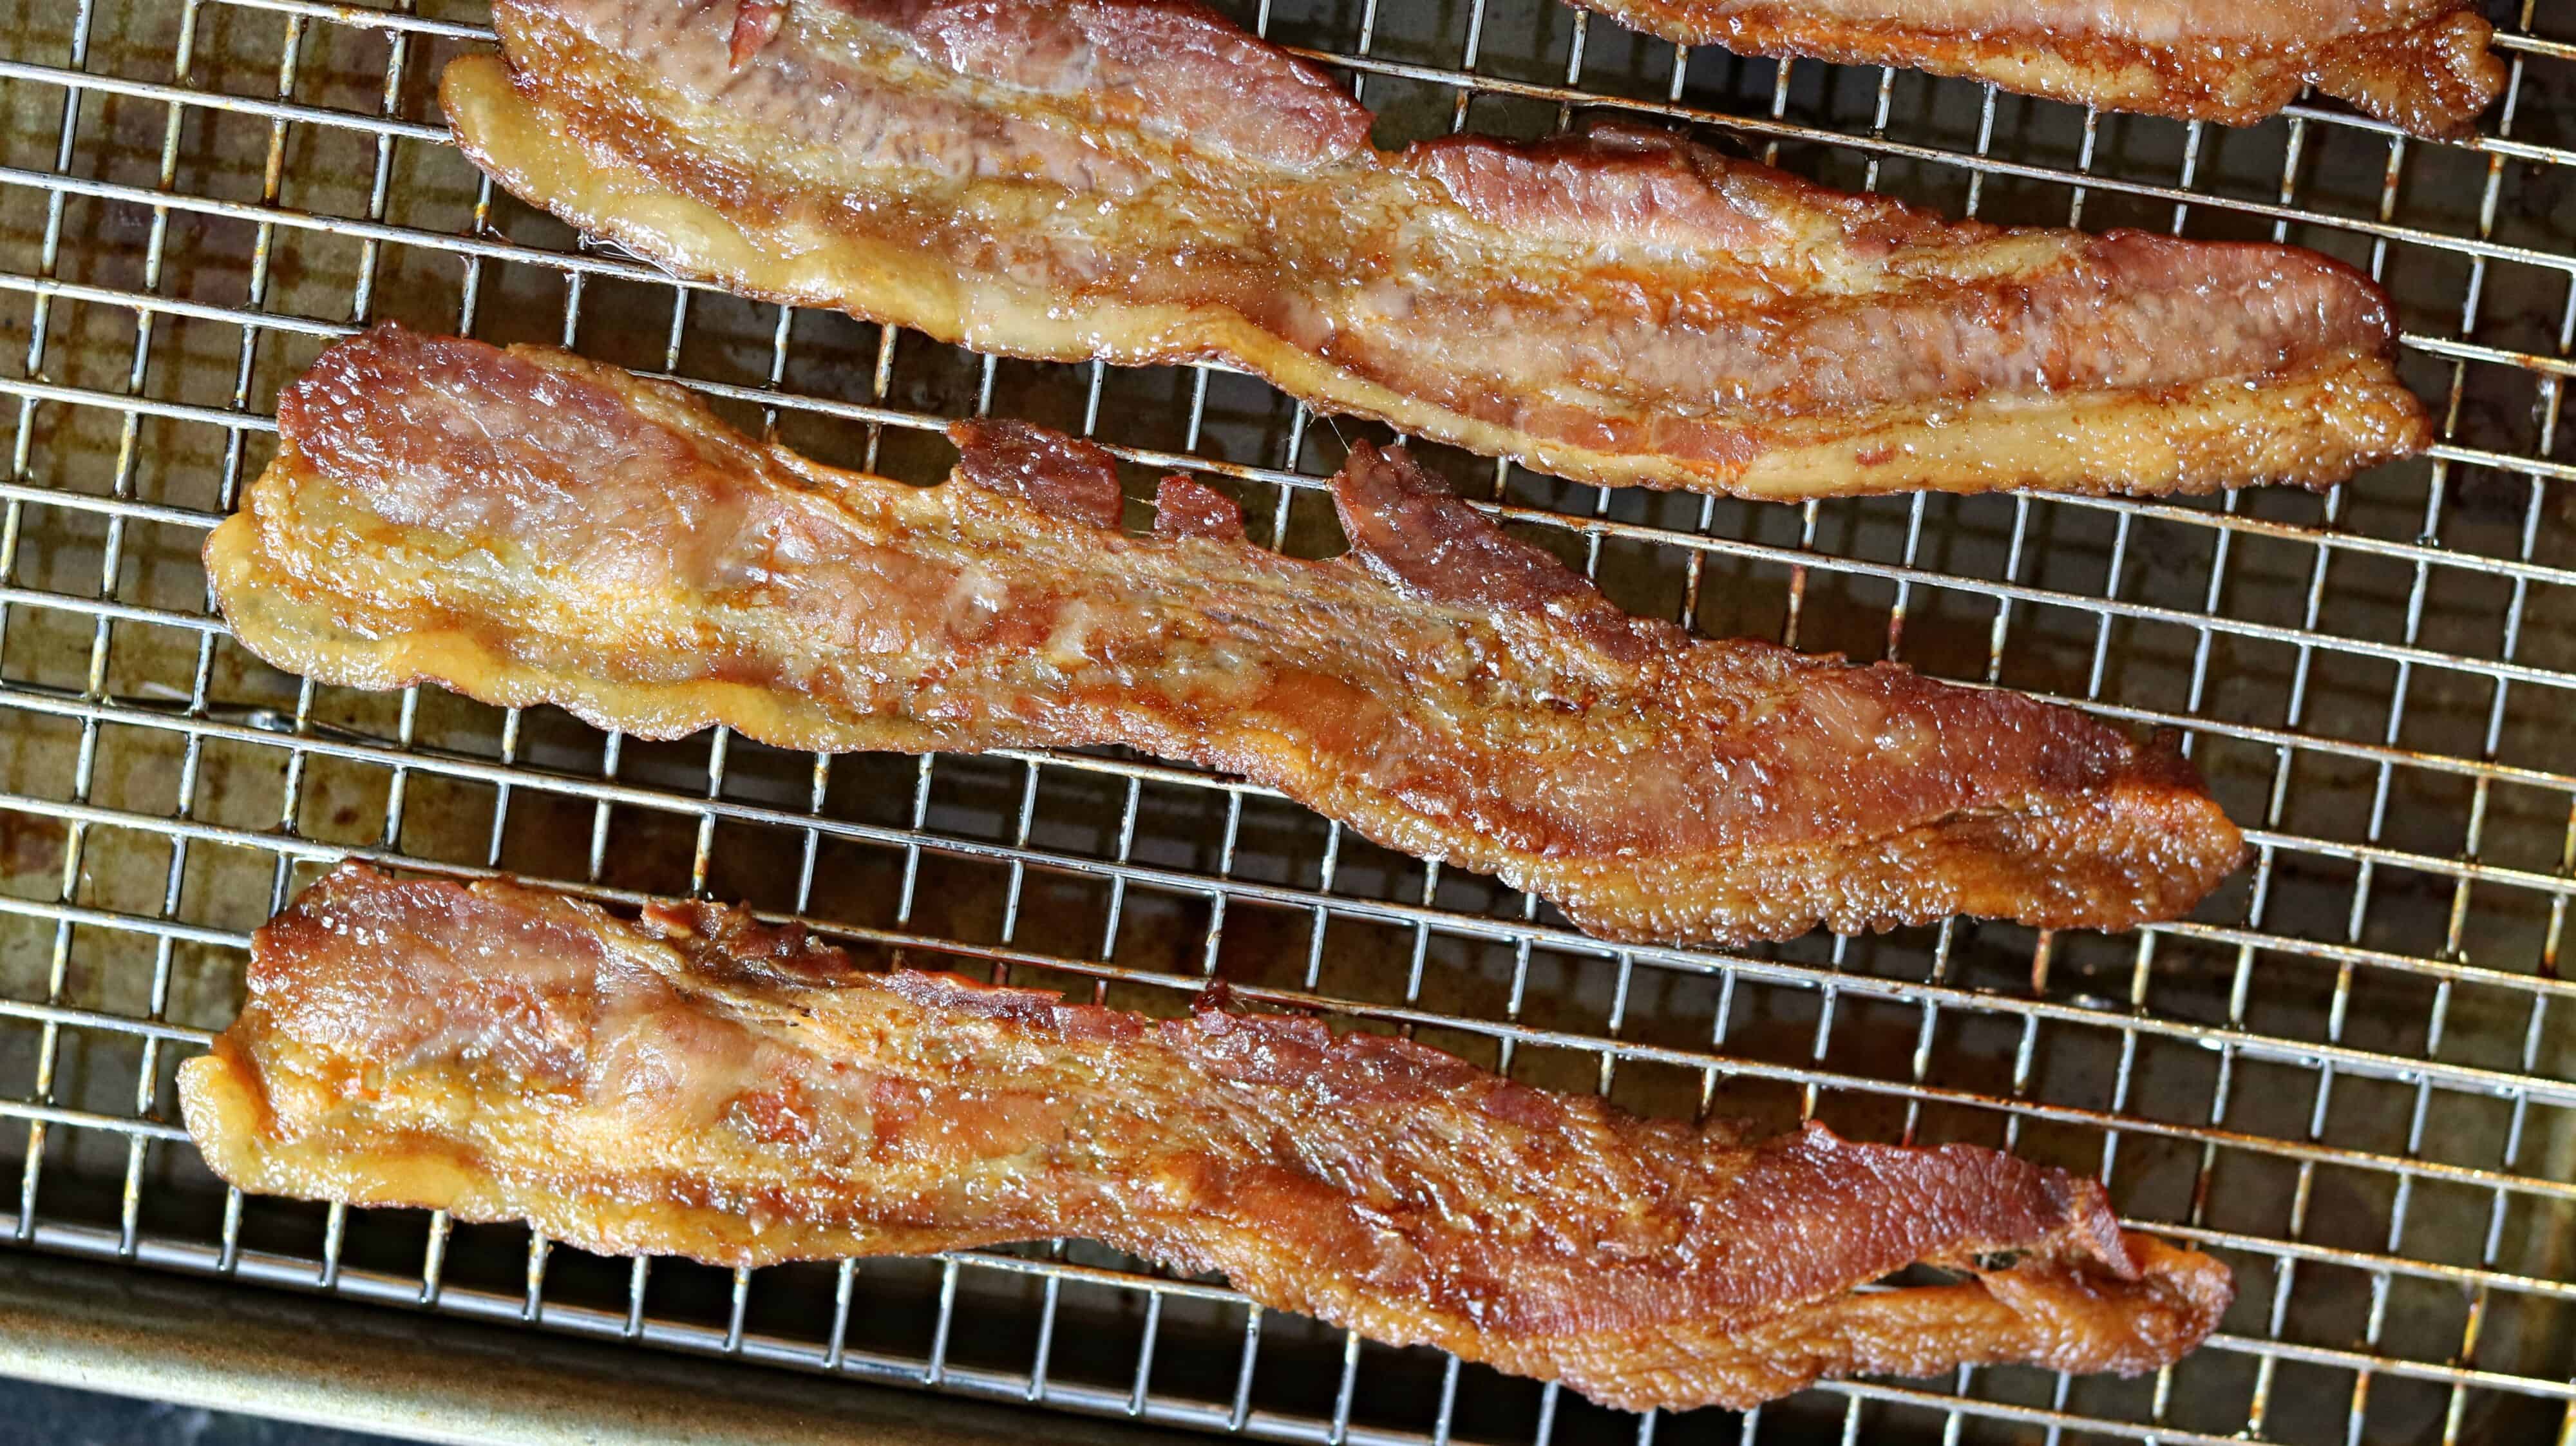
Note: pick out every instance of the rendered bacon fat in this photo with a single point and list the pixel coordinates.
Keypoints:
(698, 1084)
(527, 527)
(1137, 180)
(2420, 64)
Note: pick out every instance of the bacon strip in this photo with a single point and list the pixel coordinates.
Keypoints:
(527, 527)
(697, 1084)
(2420, 64)
(1138, 181)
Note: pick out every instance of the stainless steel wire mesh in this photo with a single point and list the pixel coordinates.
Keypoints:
(2351, 1074)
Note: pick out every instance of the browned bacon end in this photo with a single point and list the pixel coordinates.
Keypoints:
(2424, 65)
(2434, 78)
(528, 527)
(695, 1083)
(1138, 181)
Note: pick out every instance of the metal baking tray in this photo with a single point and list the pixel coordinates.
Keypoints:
(2350, 1074)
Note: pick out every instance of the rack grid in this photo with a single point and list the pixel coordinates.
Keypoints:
(2352, 1074)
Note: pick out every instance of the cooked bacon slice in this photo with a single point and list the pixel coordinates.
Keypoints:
(1137, 180)
(698, 1084)
(527, 527)
(2420, 64)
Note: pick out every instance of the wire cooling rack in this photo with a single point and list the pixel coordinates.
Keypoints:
(2351, 1074)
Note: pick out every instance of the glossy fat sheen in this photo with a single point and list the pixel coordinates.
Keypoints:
(2421, 64)
(1136, 180)
(697, 1084)
(528, 527)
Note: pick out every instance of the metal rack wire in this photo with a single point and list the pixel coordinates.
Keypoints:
(2352, 1074)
